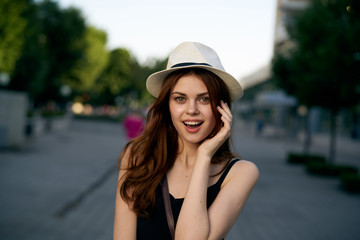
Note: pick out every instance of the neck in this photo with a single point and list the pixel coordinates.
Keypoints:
(187, 153)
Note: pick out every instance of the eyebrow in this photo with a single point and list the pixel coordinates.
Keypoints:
(183, 94)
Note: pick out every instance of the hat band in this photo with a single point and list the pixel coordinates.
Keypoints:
(185, 64)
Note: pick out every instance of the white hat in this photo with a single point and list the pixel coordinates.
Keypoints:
(194, 55)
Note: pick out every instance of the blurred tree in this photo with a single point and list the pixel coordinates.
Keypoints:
(55, 42)
(32, 67)
(59, 49)
(323, 67)
(87, 69)
(12, 36)
(115, 79)
(123, 79)
(65, 40)
(140, 73)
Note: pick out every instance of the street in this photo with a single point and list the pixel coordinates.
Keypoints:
(62, 186)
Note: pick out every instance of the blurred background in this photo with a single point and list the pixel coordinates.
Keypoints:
(72, 92)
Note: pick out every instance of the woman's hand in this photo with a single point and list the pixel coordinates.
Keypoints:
(210, 146)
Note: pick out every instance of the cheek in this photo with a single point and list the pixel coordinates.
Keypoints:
(213, 127)
(210, 112)
(210, 116)
(213, 122)
(175, 112)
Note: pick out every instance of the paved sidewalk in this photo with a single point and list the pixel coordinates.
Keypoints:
(287, 203)
(62, 186)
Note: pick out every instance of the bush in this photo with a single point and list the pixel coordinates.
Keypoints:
(350, 182)
(326, 169)
(52, 113)
(97, 118)
(299, 158)
(30, 114)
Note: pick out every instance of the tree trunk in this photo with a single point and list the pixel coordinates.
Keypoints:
(333, 129)
(307, 140)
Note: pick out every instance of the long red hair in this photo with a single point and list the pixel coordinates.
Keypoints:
(152, 154)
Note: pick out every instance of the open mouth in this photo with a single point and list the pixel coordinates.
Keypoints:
(192, 124)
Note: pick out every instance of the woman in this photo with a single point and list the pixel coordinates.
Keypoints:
(184, 150)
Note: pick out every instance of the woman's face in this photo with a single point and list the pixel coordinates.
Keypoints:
(190, 109)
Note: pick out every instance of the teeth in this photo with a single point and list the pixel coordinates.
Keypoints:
(192, 123)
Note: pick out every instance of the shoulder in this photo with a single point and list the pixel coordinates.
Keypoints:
(243, 172)
(126, 157)
(245, 165)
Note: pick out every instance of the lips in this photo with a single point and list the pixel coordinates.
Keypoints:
(193, 126)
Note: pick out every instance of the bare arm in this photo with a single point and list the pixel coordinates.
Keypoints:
(231, 199)
(193, 222)
(125, 218)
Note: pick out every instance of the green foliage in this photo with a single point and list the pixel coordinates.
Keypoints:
(299, 158)
(322, 69)
(123, 79)
(115, 79)
(326, 169)
(32, 67)
(54, 43)
(52, 113)
(88, 68)
(65, 32)
(283, 73)
(140, 73)
(12, 37)
(350, 182)
(44, 47)
(107, 118)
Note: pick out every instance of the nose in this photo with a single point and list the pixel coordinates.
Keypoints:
(192, 108)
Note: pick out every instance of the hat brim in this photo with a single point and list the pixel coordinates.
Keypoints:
(155, 81)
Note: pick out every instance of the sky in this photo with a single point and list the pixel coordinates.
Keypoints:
(240, 31)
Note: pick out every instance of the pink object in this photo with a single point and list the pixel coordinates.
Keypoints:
(134, 125)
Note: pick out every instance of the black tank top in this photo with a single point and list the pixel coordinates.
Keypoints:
(156, 227)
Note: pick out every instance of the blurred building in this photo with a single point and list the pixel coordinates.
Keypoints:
(277, 110)
(285, 12)
(284, 115)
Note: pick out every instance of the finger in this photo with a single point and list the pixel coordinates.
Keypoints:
(227, 123)
(226, 114)
(226, 108)
(226, 119)
(224, 132)
(222, 135)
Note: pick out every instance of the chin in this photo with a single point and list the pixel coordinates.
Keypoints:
(195, 140)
